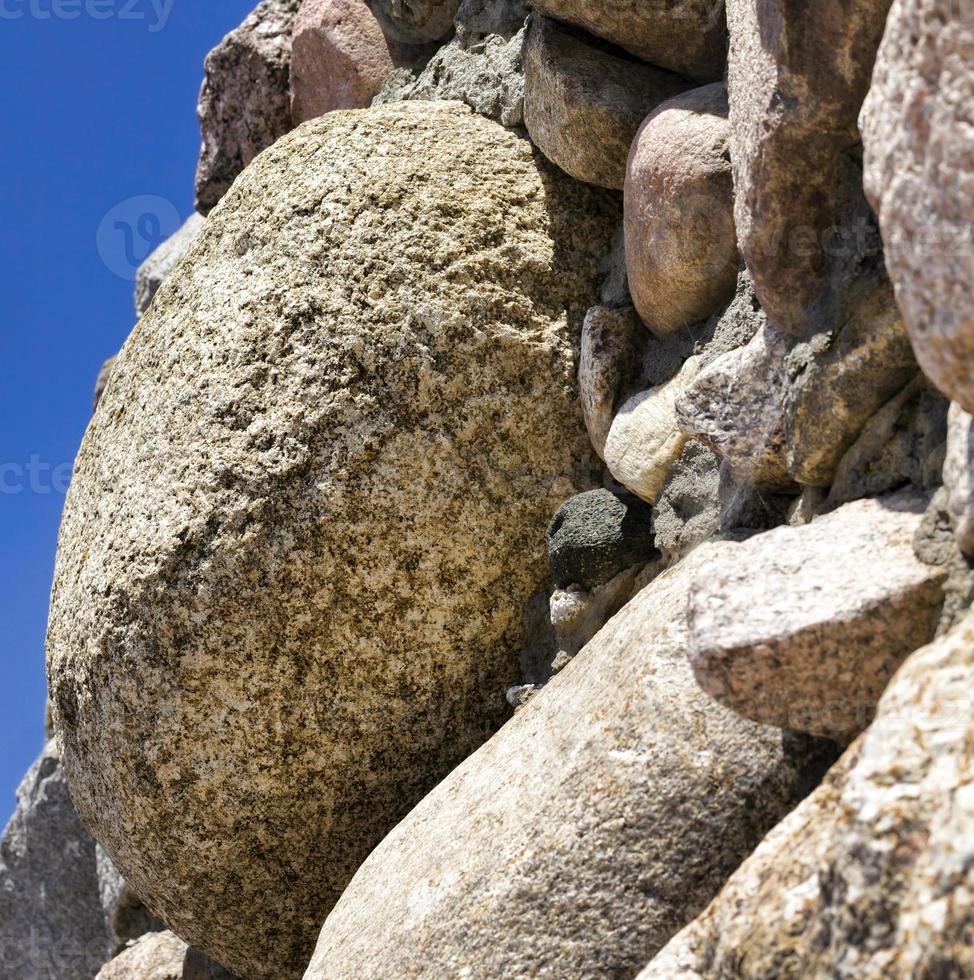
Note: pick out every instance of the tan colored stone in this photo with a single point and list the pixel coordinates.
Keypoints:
(685, 36)
(871, 877)
(681, 249)
(802, 627)
(645, 439)
(959, 476)
(797, 77)
(310, 510)
(579, 838)
(583, 105)
(919, 167)
(156, 956)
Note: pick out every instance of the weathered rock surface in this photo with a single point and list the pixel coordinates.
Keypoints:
(645, 439)
(583, 105)
(126, 918)
(688, 36)
(245, 103)
(101, 382)
(596, 535)
(340, 58)
(416, 21)
(797, 77)
(919, 157)
(580, 837)
(162, 956)
(869, 878)
(51, 922)
(803, 627)
(481, 66)
(959, 476)
(162, 261)
(304, 430)
(681, 249)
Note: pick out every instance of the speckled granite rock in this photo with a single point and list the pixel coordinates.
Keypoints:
(596, 535)
(340, 58)
(481, 65)
(803, 627)
(583, 105)
(310, 510)
(245, 103)
(645, 439)
(686, 36)
(162, 261)
(416, 21)
(919, 160)
(577, 840)
(51, 921)
(871, 877)
(681, 250)
(162, 956)
(797, 77)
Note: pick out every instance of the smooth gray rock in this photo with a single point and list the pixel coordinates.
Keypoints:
(162, 261)
(596, 823)
(51, 922)
(245, 102)
(598, 534)
(803, 627)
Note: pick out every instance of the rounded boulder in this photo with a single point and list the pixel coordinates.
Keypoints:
(309, 512)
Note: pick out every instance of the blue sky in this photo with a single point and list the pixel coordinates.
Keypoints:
(98, 108)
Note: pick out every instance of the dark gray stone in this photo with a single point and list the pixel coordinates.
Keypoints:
(598, 534)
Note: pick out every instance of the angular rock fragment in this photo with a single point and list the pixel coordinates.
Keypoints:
(919, 164)
(162, 261)
(596, 535)
(797, 77)
(126, 918)
(583, 105)
(101, 382)
(340, 58)
(681, 249)
(645, 439)
(959, 476)
(576, 841)
(244, 104)
(685, 36)
(481, 66)
(803, 627)
(162, 956)
(306, 521)
(871, 876)
(51, 921)
(416, 21)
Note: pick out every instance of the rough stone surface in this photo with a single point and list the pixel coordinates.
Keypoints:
(959, 476)
(156, 956)
(681, 249)
(870, 878)
(244, 104)
(577, 840)
(162, 261)
(309, 512)
(797, 77)
(645, 439)
(688, 36)
(51, 922)
(583, 105)
(803, 627)
(919, 159)
(904, 442)
(596, 535)
(126, 918)
(101, 382)
(481, 66)
(416, 21)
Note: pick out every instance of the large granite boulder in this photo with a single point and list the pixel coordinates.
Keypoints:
(245, 103)
(587, 831)
(803, 627)
(681, 250)
(583, 105)
(685, 36)
(797, 76)
(919, 161)
(309, 512)
(871, 877)
(51, 921)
